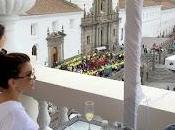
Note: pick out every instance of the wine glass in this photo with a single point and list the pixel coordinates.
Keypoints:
(89, 111)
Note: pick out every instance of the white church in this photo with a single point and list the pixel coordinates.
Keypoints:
(30, 29)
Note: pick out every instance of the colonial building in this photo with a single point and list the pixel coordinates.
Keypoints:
(157, 18)
(27, 32)
(65, 88)
(99, 27)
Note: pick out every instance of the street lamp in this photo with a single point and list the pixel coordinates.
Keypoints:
(153, 63)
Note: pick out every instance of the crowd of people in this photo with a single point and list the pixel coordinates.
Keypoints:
(99, 63)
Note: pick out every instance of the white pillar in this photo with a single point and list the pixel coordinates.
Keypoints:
(43, 116)
(133, 37)
(9, 14)
(9, 22)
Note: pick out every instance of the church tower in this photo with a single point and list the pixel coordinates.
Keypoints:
(99, 27)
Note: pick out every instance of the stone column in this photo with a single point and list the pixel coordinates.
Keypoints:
(49, 57)
(9, 23)
(43, 116)
(62, 51)
(9, 14)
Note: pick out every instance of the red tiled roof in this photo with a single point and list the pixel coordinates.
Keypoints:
(166, 4)
(52, 6)
(146, 3)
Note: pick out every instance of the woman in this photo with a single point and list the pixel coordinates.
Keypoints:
(2, 36)
(16, 76)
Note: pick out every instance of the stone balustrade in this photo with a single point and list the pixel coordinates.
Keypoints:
(72, 90)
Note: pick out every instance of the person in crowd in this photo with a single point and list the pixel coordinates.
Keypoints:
(167, 88)
(2, 39)
(16, 76)
(173, 88)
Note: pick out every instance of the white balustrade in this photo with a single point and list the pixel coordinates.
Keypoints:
(64, 117)
(43, 116)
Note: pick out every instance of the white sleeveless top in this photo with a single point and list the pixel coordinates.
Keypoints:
(14, 117)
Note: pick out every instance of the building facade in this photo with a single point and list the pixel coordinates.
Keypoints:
(99, 27)
(29, 30)
(157, 19)
(55, 43)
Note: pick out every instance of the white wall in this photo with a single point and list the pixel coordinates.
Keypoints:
(167, 21)
(71, 23)
(151, 17)
(155, 21)
(151, 21)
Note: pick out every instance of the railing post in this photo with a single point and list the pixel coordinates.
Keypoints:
(64, 117)
(43, 116)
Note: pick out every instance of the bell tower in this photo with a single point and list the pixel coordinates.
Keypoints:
(100, 26)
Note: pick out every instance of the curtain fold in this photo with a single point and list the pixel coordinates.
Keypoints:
(132, 80)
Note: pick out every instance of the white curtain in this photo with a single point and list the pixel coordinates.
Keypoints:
(132, 81)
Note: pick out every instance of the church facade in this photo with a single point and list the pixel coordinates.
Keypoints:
(99, 27)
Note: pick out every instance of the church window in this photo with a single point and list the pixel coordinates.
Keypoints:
(122, 34)
(102, 4)
(34, 50)
(113, 32)
(88, 39)
(71, 23)
(34, 27)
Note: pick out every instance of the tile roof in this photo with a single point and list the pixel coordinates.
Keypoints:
(42, 7)
(166, 4)
(146, 3)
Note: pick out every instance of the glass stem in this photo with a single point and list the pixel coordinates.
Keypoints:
(89, 126)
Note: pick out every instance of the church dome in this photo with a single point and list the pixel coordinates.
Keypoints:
(15, 7)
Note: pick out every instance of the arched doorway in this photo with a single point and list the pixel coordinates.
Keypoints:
(34, 50)
(54, 56)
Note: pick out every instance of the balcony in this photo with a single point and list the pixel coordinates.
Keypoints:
(71, 90)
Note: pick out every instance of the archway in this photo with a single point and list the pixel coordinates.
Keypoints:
(34, 50)
(54, 56)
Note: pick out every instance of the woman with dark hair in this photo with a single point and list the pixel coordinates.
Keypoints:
(16, 76)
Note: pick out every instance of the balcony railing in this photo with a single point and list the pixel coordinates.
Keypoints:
(70, 89)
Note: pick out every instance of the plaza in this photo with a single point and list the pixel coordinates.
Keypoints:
(68, 90)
